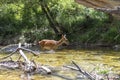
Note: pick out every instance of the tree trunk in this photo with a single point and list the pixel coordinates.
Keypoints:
(53, 23)
(61, 28)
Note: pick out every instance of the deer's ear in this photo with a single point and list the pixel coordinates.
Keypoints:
(64, 35)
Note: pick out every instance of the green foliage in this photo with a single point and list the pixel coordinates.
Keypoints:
(102, 69)
(8, 20)
(85, 25)
(112, 35)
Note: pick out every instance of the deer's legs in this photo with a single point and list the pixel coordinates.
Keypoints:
(52, 51)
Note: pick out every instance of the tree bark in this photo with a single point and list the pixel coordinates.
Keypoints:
(61, 28)
(53, 23)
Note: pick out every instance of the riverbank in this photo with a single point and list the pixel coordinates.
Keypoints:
(89, 46)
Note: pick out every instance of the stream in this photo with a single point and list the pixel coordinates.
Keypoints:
(104, 61)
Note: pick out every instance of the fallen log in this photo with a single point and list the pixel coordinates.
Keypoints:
(26, 65)
(30, 66)
(9, 64)
(12, 65)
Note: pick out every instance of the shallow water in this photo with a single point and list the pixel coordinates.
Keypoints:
(87, 59)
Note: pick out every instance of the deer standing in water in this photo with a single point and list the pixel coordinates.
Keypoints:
(52, 44)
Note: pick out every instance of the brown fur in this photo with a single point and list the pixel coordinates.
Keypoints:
(52, 44)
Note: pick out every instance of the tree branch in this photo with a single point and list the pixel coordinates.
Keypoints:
(84, 72)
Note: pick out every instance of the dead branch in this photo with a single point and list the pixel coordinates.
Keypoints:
(19, 48)
(8, 55)
(19, 58)
(46, 69)
(8, 46)
(80, 70)
(34, 53)
(73, 68)
(28, 66)
(84, 72)
(62, 76)
(9, 64)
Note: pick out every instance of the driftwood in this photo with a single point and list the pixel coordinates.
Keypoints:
(18, 49)
(31, 67)
(91, 75)
(77, 68)
(27, 66)
(84, 72)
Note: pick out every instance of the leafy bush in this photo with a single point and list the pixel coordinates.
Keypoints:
(83, 24)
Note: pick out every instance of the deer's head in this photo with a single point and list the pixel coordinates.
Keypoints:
(65, 40)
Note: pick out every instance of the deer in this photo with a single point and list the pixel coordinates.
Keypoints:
(47, 44)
